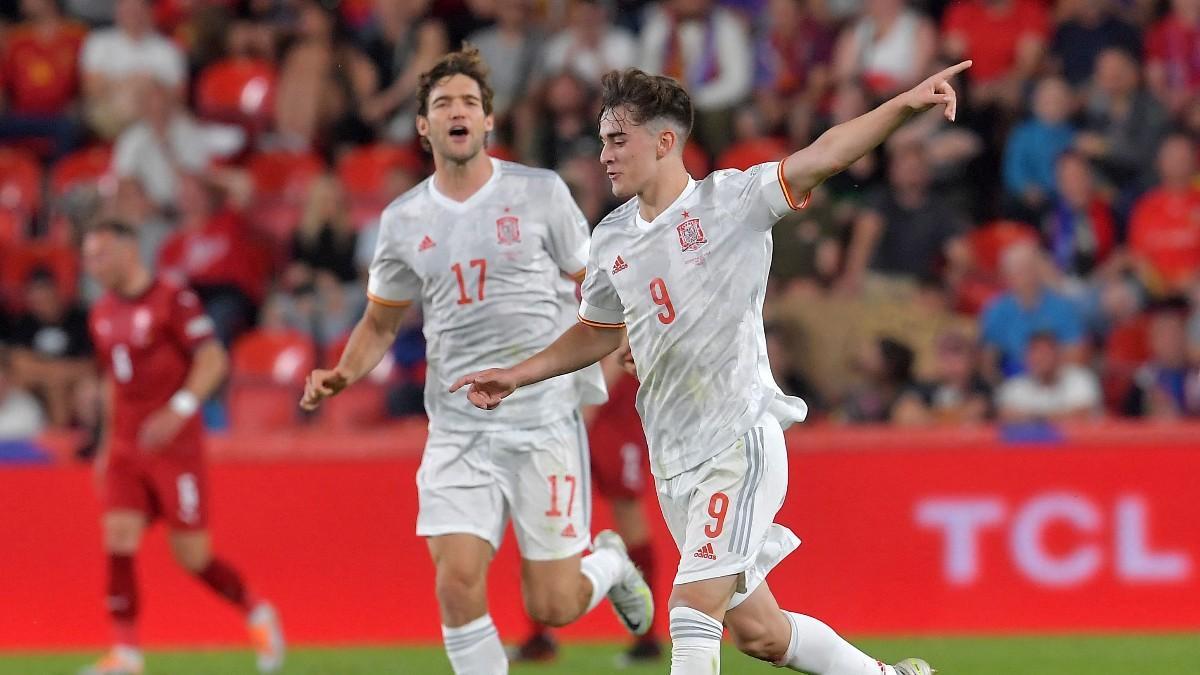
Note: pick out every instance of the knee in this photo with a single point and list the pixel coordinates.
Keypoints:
(191, 556)
(459, 588)
(755, 638)
(550, 607)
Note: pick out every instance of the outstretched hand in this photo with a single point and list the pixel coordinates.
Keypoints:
(488, 387)
(937, 91)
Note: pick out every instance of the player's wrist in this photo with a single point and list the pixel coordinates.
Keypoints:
(184, 403)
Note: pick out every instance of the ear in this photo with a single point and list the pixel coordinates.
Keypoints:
(489, 123)
(666, 143)
(422, 126)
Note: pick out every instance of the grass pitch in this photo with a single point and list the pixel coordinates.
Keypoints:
(1067, 655)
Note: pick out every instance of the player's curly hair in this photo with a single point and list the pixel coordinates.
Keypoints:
(647, 97)
(465, 61)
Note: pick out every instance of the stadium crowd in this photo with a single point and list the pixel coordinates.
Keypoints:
(1037, 260)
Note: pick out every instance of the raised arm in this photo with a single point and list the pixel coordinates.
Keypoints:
(370, 340)
(845, 143)
(579, 347)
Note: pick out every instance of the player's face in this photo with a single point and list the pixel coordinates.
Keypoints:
(107, 258)
(456, 126)
(630, 153)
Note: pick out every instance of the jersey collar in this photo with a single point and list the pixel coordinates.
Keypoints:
(644, 225)
(480, 194)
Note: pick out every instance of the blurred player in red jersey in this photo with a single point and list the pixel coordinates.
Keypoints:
(621, 469)
(160, 360)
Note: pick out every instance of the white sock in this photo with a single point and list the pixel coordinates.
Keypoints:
(602, 568)
(475, 649)
(695, 643)
(816, 649)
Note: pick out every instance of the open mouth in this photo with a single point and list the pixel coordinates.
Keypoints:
(459, 131)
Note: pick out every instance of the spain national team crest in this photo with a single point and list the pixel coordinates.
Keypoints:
(691, 235)
(508, 230)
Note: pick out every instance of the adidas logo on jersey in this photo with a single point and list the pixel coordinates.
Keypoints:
(706, 551)
(426, 244)
(619, 265)
(569, 531)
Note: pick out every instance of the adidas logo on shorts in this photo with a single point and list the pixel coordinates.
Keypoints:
(706, 551)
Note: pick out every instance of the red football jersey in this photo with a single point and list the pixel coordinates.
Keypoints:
(145, 345)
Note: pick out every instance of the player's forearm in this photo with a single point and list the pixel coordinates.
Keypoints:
(579, 347)
(209, 367)
(846, 143)
(370, 340)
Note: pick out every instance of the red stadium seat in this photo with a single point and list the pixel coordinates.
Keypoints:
(258, 406)
(90, 165)
(365, 403)
(278, 357)
(284, 175)
(20, 260)
(989, 241)
(12, 227)
(237, 90)
(695, 159)
(364, 169)
(20, 181)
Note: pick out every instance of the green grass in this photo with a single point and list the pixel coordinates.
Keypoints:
(1073, 655)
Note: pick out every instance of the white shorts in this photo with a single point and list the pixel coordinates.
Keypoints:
(472, 482)
(721, 512)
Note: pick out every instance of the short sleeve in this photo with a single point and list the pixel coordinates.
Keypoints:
(391, 280)
(758, 196)
(171, 69)
(189, 325)
(568, 231)
(600, 305)
(91, 57)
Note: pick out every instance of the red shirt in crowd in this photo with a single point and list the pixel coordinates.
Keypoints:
(1165, 231)
(1175, 45)
(40, 74)
(219, 254)
(145, 345)
(992, 35)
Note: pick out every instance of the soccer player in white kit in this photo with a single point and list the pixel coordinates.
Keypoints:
(682, 266)
(484, 246)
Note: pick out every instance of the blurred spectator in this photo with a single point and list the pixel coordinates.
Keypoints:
(319, 308)
(119, 63)
(1053, 389)
(1005, 38)
(1166, 387)
(405, 42)
(325, 241)
(254, 30)
(890, 48)
(1123, 122)
(707, 48)
(1164, 233)
(51, 348)
(560, 124)
(850, 187)
(21, 417)
(1033, 147)
(1172, 45)
(795, 52)
(512, 50)
(168, 140)
(323, 80)
(1026, 308)
(589, 45)
(38, 77)
(905, 231)
(1079, 230)
(957, 394)
(787, 373)
(886, 368)
(808, 247)
(213, 251)
(131, 204)
(1088, 27)
(397, 181)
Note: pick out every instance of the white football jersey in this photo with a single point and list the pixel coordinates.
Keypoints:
(689, 287)
(488, 274)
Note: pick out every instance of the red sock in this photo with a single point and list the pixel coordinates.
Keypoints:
(123, 599)
(227, 583)
(642, 555)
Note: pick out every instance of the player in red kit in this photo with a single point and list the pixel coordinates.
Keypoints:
(160, 360)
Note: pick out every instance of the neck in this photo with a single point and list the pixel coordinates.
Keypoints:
(136, 283)
(662, 192)
(460, 180)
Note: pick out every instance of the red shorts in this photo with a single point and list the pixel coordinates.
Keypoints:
(173, 486)
(620, 465)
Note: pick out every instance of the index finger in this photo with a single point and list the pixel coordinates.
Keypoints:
(462, 382)
(955, 69)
